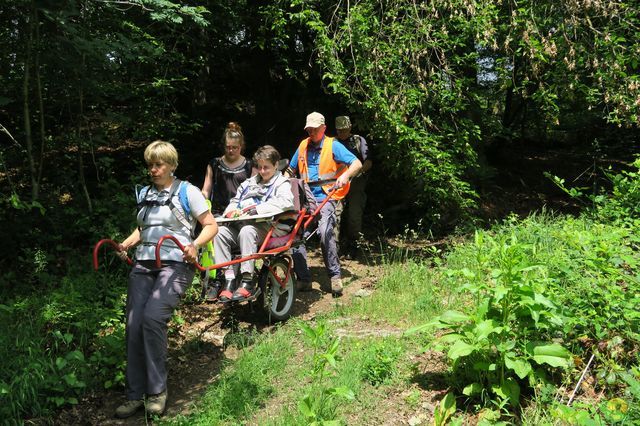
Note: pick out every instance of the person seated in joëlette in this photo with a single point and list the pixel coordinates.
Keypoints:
(267, 193)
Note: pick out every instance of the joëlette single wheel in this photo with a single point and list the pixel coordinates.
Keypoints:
(278, 289)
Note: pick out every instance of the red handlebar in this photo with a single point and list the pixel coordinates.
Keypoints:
(114, 245)
(317, 210)
(180, 246)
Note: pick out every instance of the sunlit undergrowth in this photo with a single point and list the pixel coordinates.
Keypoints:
(522, 308)
(407, 294)
(550, 292)
(248, 383)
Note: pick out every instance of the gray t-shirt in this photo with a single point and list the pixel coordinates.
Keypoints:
(160, 221)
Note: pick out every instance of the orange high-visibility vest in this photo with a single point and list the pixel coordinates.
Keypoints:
(327, 169)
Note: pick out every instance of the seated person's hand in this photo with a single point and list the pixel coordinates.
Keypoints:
(250, 211)
(233, 213)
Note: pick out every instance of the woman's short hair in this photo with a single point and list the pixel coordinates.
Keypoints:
(161, 151)
(233, 131)
(268, 153)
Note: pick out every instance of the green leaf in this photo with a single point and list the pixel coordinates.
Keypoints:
(472, 389)
(509, 390)
(61, 363)
(552, 354)
(343, 392)
(308, 331)
(421, 328)
(506, 346)
(485, 328)
(75, 355)
(484, 366)
(306, 407)
(331, 360)
(520, 366)
(444, 410)
(450, 338)
(460, 349)
(499, 292)
(453, 317)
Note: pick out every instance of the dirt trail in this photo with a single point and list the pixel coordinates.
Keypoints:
(197, 348)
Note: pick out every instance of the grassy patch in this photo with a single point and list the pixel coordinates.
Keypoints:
(407, 294)
(248, 383)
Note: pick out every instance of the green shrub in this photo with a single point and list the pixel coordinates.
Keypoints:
(380, 361)
(505, 338)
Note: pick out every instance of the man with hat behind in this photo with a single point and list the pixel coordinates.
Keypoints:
(322, 160)
(357, 197)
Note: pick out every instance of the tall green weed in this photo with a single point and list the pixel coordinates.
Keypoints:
(570, 282)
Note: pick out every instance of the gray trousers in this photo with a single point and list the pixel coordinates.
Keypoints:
(152, 296)
(326, 225)
(241, 235)
(355, 202)
(350, 213)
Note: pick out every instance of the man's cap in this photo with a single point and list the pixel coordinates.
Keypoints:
(315, 119)
(343, 122)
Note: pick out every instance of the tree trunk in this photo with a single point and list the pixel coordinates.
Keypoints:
(27, 111)
(43, 137)
(82, 180)
(81, 118)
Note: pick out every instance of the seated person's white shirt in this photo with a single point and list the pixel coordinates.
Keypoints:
(267, 198)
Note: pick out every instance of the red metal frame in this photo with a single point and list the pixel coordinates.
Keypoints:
(317, 210)
(114, 245)
(283, 282)
(262, 252)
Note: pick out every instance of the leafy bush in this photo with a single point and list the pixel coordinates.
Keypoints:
(380, 361)
(623, 206)
(319, 404)
(533, 285)
(506, 335)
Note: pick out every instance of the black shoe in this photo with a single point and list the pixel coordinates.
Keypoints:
(227, 294)
(213, 290)
(246, 291)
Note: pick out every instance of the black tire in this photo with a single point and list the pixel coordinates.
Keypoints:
(276, 301)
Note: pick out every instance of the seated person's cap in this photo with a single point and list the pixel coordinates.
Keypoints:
(315, 119)
(343, 122)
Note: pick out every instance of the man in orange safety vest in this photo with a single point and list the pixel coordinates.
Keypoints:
(325, 164)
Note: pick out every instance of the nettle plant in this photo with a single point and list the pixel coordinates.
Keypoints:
(504, 342)
(318, 405)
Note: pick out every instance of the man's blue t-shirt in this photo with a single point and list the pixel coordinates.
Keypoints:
(340, 154)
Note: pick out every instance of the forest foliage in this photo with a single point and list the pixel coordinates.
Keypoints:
(437, 82)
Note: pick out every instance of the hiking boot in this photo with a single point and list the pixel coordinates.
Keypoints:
(336, 286)
(156, 404)
(129, 408)
(213, 290)
(304, 286)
